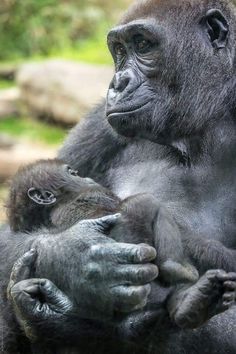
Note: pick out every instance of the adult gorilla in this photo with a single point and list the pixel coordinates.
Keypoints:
(172, 102)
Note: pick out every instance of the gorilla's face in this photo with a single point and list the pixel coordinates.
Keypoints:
(174, 69)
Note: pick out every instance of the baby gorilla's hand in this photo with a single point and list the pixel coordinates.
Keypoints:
(35, 300)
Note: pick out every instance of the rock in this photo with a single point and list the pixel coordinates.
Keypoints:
(6, 142)
(7, 72)
(21, 154)
(9, 102)
(62, 90)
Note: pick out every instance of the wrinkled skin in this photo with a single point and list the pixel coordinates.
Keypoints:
(86, 239)
(179, 146)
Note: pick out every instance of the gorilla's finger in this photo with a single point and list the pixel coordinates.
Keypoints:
(22, 268)
(230, 285)
(136, 274)
(232, 276)
(54, 296)
(130, 298)
(37, 295)
(23, 295)
(229, 297)
(123, 253)
(104, 224)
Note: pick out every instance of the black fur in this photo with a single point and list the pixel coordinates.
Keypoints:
(59, 198)
(180, 147)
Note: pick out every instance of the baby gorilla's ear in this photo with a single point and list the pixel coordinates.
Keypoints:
(41, 196)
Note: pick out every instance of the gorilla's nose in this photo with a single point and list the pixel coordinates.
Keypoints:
(123, 82)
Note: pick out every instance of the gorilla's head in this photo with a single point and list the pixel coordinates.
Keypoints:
(175, 69)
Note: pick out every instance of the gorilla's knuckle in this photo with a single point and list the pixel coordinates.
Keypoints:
(132, 295)
(136, 254)
(211, 273)
(96, 251)
(93, 271)
(141, 274)
(45, 283)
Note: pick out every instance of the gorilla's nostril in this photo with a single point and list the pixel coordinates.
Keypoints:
(121, 80)
(121, 84)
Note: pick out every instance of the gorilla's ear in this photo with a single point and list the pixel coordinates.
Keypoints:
(217, 27)
(41, 197)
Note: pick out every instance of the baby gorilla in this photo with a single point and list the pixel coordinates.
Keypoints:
(50, 194)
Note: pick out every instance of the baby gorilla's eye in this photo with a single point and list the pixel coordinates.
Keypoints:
(72, 172)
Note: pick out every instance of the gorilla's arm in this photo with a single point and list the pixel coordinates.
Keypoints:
(47, 314)
(92, 145)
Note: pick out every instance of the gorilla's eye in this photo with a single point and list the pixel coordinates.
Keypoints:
(119, 50)
(72, 172)
(142, 45)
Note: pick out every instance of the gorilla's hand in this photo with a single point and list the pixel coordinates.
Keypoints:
(36, 302)
(99, 275)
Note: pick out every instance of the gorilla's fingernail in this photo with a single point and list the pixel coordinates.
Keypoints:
(148, 253)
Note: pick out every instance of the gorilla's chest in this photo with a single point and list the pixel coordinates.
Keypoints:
(201, 198)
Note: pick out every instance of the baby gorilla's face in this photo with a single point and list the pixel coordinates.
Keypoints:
(55, 182)
(84, 182)
(72, 185)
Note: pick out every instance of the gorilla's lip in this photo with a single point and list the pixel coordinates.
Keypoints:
(134, 109)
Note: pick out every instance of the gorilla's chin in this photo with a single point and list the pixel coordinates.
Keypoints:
(120, 123)
(131, 123)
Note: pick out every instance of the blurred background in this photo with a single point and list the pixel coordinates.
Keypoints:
(54, 66)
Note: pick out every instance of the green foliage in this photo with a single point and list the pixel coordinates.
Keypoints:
(5, 84)
(43, 27)
(32, 130)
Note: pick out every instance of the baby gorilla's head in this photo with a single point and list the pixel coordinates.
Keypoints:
(48, 193)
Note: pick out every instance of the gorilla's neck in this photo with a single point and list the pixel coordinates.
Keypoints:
(215, 143)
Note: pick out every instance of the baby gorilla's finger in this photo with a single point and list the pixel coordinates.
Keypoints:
(136, 274)
(22, 268)
(217, 274)
(130, 298)
(123, 253)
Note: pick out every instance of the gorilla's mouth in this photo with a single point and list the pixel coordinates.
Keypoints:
(121, 120)
(115, 112)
